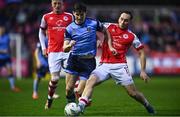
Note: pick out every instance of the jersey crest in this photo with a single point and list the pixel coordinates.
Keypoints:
(125, 36)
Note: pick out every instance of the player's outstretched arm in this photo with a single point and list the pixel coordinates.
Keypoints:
(142, 57)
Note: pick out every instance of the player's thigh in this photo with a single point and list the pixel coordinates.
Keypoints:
(101, 73)
(120, 73)
(86, 67)
(54, 61)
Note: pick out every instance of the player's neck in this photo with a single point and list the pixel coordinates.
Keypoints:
(57, 12)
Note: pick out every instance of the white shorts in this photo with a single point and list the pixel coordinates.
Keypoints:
(119, 72)
(55, 61)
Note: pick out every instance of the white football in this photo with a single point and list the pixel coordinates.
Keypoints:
(71, 109)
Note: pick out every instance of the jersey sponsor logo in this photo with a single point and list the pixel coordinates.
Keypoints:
(58, 28)
(117, 37)
(59, 22)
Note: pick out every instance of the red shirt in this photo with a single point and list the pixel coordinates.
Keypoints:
(55, 25)
(121, 41)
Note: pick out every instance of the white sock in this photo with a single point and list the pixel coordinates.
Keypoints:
(83, 101)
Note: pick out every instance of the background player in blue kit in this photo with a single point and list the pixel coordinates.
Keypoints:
(41, 69)
(5, 56)
(81, 40)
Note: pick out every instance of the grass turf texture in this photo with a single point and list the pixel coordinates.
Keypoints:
(108, 99)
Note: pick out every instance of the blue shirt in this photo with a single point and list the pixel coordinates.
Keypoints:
(41, 57)
(5, 45)
(84, 35)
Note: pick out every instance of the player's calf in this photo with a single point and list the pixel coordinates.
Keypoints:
(48, 104)
(150, 109)
(71, 98)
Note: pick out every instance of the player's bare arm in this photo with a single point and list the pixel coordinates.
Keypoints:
(109, 40)
(42, 37)
(142, 57)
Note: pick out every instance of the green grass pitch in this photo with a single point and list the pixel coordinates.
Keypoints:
(109, 99)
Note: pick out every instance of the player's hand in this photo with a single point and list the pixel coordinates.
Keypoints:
(113, 50)
(44, 52)
(144, 76)
(38, 64)
(72, 43)
(69, 46)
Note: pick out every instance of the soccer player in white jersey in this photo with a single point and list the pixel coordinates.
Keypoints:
(114, 64)
(54, 23)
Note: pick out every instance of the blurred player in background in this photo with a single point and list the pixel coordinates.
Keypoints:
(5, 56)
(41, 69)
(81, 40)
(54, 23)
(114, 64)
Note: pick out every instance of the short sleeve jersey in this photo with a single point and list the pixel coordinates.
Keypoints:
(5, 45)
(121, 41)
(84, 35)
(55, 25)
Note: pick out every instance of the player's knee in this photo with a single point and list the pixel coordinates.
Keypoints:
(91, 81)
(132, 93)
(79, 91)
(69, 89)
(55, 78)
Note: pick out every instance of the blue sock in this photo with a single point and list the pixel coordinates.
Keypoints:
(35, 85)
(11, 81)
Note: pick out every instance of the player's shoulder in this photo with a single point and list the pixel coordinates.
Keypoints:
(90, 20)
(38, 45)
(67, 13)
(48, 13)
(71, 26)
(131, 32)
(108, 24)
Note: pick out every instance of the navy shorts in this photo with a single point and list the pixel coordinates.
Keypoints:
(42, 71)
(4, 62)
(80, 66)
